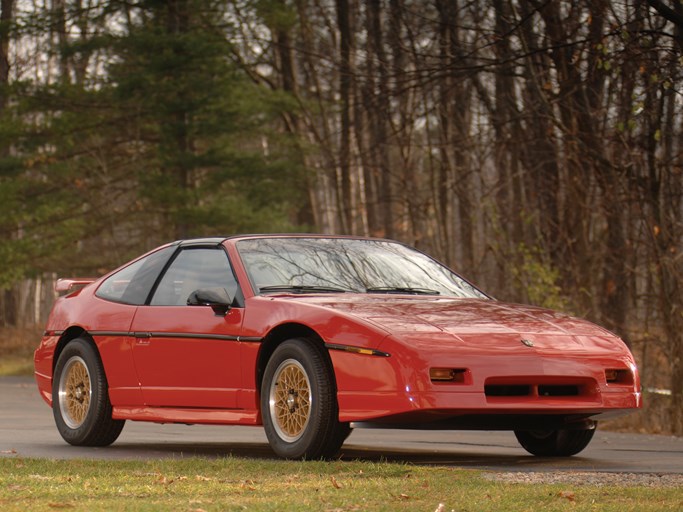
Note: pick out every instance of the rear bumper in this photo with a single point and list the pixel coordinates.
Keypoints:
(42, 361)
(44, 387)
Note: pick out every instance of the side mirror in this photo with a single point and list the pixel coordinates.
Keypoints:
(217, 298)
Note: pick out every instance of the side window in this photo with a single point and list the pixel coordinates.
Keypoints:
(192, 269)
(132, 284)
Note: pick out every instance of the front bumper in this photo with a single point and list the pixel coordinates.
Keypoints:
(497, 391)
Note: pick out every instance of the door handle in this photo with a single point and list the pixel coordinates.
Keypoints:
(142, 338)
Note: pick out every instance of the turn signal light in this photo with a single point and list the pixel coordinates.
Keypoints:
(447, 374)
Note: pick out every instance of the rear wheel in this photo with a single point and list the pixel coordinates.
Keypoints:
(298, 402)
(554, 443)
(80, 397)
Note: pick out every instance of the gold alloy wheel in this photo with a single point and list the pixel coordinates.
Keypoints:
(74, 392)
(290, 400)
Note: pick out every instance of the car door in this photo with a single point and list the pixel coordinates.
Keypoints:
(188, 356)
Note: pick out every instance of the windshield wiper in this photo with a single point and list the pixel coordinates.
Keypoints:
(401, 289)
(298, 288)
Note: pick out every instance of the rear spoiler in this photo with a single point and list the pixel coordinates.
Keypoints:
(70, 284)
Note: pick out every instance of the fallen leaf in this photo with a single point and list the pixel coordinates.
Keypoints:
(566, 494)
(40, 477)
(248, 485)
(336, 484)
(404, 496)
(441, 508)
(60, 505)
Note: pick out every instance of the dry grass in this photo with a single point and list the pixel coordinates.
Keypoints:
(245, 484)
(16, 349)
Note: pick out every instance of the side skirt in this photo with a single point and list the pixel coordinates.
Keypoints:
(187, 415)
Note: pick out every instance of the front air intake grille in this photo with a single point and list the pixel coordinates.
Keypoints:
(510, 390)
(505, 389)
(558, 390)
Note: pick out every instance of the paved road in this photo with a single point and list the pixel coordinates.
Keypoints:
(27, 430)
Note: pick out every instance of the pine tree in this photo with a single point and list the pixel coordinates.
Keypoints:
(144, 130)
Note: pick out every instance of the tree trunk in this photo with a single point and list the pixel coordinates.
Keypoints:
(381, 107)
(345, 84)
(177, 23)
(8, 313)
(6, 18)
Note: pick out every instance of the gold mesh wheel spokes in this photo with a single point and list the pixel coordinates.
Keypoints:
(290, 400)
(74, 392)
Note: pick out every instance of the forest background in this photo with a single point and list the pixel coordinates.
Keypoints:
(534, 146)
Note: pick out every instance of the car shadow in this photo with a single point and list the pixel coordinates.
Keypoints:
(351, 452)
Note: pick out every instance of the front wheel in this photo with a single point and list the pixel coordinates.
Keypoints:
(554, 443)
(80, 397)
(298, 402)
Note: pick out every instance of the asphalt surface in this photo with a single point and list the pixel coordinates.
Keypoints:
(27, 430)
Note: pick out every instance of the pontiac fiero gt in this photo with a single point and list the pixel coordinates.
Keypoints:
(311, 335)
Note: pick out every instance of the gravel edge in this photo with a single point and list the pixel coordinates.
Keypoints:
(589, 478)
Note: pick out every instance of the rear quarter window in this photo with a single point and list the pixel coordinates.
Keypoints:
(132, 284)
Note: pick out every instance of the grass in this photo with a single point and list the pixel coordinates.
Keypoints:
(243, 484)
(16, 349)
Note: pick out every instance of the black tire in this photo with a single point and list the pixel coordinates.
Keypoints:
(80, 397)
(554, 443)
(299, 404)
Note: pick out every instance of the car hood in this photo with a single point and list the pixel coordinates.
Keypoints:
(427, 320)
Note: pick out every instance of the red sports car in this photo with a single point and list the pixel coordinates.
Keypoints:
(309, 335)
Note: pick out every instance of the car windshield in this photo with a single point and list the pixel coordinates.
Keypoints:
(333, 265)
